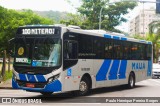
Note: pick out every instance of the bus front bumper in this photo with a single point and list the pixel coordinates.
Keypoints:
(54, 86)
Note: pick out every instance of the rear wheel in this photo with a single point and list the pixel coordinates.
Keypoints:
(131, 81)
(84, 87)
(46, 93)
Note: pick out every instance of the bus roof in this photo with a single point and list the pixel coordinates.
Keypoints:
(101, 33)
(108, 34)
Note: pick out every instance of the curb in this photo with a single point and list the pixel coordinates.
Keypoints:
(2, 85)
(6, 88)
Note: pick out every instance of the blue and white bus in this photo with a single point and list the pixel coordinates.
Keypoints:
(52, 58)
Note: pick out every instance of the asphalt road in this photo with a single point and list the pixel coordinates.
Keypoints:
(147, 88)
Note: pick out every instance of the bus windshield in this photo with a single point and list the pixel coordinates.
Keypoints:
(38, 52)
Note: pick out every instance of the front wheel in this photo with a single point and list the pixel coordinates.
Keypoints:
(84, 87)
(131, 81)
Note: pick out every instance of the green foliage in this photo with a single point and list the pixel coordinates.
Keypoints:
(111, 14)
(8, 75)
(155, 38)
(73, 19)
(10, 20)
(53, 15)
(139, 37)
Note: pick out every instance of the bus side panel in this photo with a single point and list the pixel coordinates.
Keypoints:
(139, 67)
(101, 68)
(111, 73)
(74, 74)
(120, 70)
(121, 73)
(70, 80)
(102, 71)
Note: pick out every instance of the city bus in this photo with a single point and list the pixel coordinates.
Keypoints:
(50, 58)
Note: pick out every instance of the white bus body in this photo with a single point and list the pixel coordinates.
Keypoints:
(89, 69)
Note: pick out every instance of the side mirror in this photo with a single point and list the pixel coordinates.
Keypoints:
(11, 48)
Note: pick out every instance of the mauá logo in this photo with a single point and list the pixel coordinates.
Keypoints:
(138, 66)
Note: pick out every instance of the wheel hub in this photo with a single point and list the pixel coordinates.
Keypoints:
(131, 81)
(83, 86)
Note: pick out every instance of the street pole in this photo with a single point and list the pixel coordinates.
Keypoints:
(143, 19)
(100, 14)
(100, 18)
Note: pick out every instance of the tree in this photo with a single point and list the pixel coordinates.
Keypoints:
(154, 36)
(10, 20)
(73, 19)
(138, 37)
(111, 14)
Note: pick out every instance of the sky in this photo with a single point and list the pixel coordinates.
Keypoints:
(63, 5)
(41, 5)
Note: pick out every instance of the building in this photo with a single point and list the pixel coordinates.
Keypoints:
(140, 24)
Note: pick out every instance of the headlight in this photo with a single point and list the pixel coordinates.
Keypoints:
(53, 78)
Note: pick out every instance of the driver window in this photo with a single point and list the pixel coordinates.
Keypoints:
(70, 50)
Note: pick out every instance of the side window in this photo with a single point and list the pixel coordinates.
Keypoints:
(117, 50)
(141, 51)
(70, 50)
(134, 51)
(85, 47)
(108, 49)
(126, 50)
(98, 48)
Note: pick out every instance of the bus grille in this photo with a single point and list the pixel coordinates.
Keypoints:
(37, 85)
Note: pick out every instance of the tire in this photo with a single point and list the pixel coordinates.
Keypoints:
(84, 87)
(131, 81)
(46, 93)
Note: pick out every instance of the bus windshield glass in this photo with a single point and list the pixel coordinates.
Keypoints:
(38, 52)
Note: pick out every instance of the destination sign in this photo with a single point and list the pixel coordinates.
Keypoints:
(38, 31)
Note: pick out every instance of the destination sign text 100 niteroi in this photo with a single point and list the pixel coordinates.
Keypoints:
(38, 31)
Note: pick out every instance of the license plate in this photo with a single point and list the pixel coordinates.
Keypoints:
(30, 85)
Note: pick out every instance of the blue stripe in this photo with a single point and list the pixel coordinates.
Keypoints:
(101, 75)
(22, 77)
(114, 70)
(122, 70)
(123, 38)
(51, 87)
(14, 84)
(41, 78)
(54, 86)
(149, 68)
(116, 37)
(31, 78)
(107, 36)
